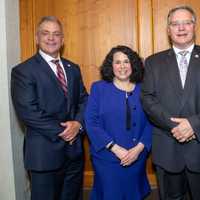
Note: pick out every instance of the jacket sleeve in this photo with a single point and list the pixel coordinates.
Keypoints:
(25, 100)
(99, 138)
(195, 124)
(146, 136)
(149, 96)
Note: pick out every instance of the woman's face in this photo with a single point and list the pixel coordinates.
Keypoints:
(121, 66)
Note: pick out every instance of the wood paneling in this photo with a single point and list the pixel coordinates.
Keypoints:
(145, 28)
(93, 27)
(30, 13)
(26, 29)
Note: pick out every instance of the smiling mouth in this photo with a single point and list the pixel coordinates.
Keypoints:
(182, 35)
(50, 44)
(123, 72)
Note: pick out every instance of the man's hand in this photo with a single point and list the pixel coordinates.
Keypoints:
(71, 130)
(191, 138)
(183, 132)
(132, 154)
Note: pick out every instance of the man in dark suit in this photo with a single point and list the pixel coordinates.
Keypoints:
(171, 98)
(49, 97)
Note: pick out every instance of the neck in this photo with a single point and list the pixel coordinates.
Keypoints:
(124, 85)
(183, 47)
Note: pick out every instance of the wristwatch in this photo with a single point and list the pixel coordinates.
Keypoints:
(110, 146)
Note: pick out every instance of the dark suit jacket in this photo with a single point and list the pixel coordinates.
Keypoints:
(40, 102)
(162, 98)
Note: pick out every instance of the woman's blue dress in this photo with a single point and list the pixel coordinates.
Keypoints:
(105, 120)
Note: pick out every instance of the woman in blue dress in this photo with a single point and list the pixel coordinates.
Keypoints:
(118, 129)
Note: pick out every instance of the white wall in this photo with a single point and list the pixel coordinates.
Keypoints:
(13, 184)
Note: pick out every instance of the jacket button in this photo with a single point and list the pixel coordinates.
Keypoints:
(134, 139)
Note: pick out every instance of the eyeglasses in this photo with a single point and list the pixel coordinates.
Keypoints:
(176, 24)
(54, 34)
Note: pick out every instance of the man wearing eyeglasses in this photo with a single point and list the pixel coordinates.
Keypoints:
(171, 98)
(49, 97)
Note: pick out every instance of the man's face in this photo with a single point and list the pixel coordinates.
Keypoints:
(181, 29)
(49, 38)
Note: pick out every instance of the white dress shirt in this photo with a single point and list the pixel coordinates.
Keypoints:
(178, 58)
(53, 66)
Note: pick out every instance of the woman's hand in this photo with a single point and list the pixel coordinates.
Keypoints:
(132, 154)
(119, 151)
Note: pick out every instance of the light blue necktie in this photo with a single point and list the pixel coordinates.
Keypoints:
(183, 66)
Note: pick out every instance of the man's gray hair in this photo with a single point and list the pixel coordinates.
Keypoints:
(49, 19)
(183, 7)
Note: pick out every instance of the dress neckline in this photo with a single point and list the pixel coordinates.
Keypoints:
(124, 91)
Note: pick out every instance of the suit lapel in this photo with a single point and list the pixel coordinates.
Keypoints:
(189, 84)
(46, 68)
(174, 76)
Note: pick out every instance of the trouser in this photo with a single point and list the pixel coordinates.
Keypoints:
(175, 186)
(62, 184)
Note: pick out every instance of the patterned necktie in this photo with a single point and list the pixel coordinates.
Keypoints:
(183, 66)
(61, 76)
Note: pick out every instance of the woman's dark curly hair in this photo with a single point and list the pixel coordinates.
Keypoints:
(106, 69)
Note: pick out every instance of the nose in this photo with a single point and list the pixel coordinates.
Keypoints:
(181, 26)
(123, 65)
(50, 37)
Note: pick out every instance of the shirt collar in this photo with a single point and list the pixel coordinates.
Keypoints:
(47, 57)
(189, 49)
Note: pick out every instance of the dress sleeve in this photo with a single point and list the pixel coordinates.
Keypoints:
(98, 137)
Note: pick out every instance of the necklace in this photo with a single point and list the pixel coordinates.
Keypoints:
(125, 86)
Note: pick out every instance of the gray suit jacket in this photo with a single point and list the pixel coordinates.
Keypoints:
(163, 98)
